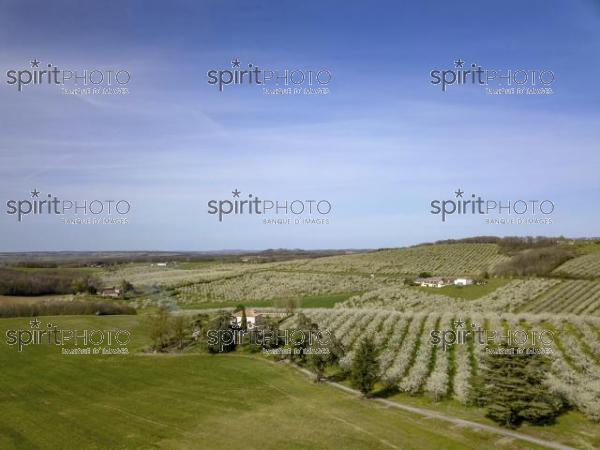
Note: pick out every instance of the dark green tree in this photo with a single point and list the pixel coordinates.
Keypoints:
(244, 324)
(300, 337)
(365, 369)
(180, 328)
(221, 333)
(511, 388)
(267, 335)
(84, 285)
(126, 287)
(199, 326)
(324, 353)
(159, 329)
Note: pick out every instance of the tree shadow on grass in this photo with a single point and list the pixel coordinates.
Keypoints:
(385, 392)
(338, 377)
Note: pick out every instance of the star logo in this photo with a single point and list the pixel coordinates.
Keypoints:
(235, 63)
(459, 63)
(35, 193)
(459, 323)
(459, 193)
(236, 193)
(35, 63)
(34, 323)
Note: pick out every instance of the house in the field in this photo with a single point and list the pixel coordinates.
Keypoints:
(253, 318)
(436, 282)
(161, 264)
(463, 281)
(110, 292)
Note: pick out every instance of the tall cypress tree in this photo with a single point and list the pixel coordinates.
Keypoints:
(365, 368)
(244, 324)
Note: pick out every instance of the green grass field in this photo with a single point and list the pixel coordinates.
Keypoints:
(195, 401)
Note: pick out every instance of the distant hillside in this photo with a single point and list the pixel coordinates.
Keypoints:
(585, 266)
(100, 258)
(439, 259)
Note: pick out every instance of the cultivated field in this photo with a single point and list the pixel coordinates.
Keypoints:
(585, 266)
(508, 298)
(269, 285)
(454, 259)
(569, 297)
(171, 276)
(213, 284)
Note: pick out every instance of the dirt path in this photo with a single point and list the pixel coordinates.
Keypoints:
(454, 420)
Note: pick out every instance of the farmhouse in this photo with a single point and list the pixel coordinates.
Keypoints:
(110, 292)
(436, 282)
(253, 318)
(463, 281)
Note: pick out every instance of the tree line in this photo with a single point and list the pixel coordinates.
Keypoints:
(45, 282)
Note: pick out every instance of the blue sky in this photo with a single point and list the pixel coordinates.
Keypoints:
(380, 146)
